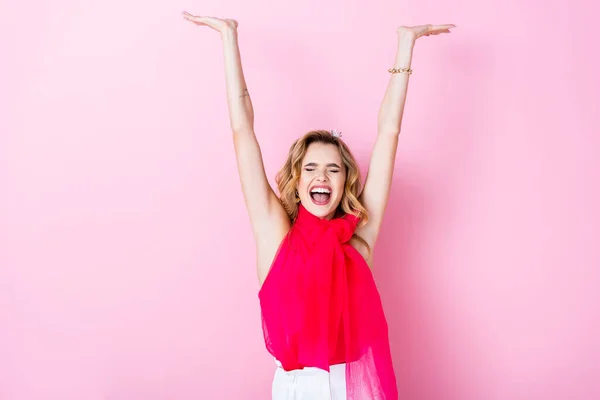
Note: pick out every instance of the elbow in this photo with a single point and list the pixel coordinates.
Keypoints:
(388, 125)
(388, 130)
(242, 133)
(243, 124)
(242, 127)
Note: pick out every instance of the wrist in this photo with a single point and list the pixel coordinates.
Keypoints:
(406, 39)
(229, 33)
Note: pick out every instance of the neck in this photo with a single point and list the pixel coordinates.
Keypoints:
(330, 216)
(327, 217)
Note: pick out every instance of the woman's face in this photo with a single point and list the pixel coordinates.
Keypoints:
(322, 179)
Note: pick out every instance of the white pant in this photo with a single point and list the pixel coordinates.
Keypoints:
(310, 383)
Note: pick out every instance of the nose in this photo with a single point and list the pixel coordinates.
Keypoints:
(321, 176)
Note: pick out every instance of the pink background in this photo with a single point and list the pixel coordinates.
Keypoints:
(127, 261)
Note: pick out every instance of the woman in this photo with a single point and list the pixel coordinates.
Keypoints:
(322, 315)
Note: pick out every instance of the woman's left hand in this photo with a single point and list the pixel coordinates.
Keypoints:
(423, 30)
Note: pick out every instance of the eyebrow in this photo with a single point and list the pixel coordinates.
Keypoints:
(314, 164)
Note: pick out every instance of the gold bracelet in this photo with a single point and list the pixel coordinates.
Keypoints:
(397, 70)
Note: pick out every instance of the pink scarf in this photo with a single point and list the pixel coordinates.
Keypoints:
(320, 307)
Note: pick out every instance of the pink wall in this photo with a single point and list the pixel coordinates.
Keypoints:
(127, 262)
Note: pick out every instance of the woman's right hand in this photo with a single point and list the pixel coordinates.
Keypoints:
(218, 24)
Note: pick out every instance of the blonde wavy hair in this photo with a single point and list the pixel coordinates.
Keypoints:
(288, 176)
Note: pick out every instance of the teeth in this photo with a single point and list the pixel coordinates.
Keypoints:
(320, 190)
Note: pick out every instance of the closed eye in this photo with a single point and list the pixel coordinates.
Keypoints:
(331, 170)
(312, 165)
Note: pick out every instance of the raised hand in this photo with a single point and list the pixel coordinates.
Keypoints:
(423, 30)
(218, 24)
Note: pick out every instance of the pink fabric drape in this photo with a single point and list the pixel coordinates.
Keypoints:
(320, 306)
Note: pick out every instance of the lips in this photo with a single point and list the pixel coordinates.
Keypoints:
(320, 194)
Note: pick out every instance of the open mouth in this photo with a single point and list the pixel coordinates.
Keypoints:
(320, 195)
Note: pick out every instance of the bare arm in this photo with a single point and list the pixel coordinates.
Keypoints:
(268, 218)
(259, 196)
(241, 113)
(379, 178)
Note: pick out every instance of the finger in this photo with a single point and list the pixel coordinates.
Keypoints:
(187, 15)
(194, 18)
(198, 21)
(437, 32)
(443, 27)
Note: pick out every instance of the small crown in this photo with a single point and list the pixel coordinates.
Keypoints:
(335, 134)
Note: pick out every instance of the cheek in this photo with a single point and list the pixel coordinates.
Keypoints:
(340, 183)
(303, 183)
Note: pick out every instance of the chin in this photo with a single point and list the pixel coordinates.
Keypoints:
(320, 211)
